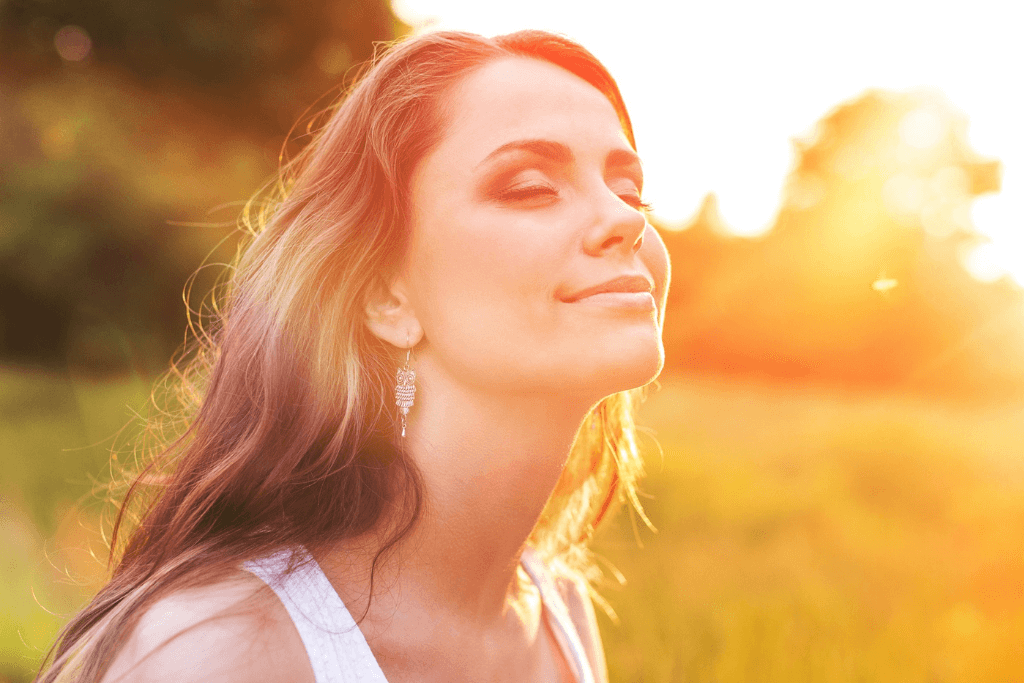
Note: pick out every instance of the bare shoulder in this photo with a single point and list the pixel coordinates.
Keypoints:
(231, 631)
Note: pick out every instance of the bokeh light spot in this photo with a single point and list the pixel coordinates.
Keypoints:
(884, 284)
(903, 196)
(334, 58)
(921, 128)
(73, 43)
(984, 262)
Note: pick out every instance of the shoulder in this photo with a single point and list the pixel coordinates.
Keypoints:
(576, 596)
(230, 631)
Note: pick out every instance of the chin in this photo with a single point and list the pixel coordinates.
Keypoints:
(621, 367)
(643, 370)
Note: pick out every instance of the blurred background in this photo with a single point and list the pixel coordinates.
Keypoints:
(835, 451)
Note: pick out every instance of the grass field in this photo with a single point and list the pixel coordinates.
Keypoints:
(802, 535)
(805, 536)
(55, 438)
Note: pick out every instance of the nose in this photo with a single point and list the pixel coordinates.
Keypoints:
(617, 227)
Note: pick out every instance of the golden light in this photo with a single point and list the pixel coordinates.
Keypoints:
(1000, 217)
(984, 262)
(922, 128)
(884, 284)
(718, 90)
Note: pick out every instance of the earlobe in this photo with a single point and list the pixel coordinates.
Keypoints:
(390, 317)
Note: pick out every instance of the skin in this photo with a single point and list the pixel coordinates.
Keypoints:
(508, 365)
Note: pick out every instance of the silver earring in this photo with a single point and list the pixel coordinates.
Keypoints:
(405, 389)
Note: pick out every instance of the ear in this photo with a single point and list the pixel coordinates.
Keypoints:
(389, 315)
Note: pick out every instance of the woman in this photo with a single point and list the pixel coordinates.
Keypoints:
(470, 221)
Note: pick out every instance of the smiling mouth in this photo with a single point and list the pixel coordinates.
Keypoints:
(626, 289)
(642, 302)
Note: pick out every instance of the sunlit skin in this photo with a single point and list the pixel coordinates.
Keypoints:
(522, 214)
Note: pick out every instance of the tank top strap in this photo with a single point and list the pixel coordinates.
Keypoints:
(558, 614)
(337, 650)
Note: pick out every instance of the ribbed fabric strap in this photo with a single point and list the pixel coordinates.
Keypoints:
(336, 647)
(564, 629)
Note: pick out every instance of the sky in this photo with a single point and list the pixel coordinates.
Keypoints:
(712, 81)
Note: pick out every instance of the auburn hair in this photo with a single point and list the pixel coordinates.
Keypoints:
(282, 430)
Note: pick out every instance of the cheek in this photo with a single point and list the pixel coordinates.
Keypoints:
(482, 281)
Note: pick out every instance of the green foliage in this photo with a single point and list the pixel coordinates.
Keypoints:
(264, 59)
(123, 169)
(56, 434)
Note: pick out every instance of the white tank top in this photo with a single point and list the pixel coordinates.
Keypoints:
(336, 647)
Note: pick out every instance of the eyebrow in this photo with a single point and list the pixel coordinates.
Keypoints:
(560, 153)
(549, 149)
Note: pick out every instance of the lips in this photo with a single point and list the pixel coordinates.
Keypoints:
(626, 283)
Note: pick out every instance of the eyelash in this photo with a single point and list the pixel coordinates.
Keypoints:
(532, 191)
(527, 192)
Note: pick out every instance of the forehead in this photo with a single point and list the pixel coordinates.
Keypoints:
(523, 98)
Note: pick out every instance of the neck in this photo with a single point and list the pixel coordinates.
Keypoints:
(489, 464)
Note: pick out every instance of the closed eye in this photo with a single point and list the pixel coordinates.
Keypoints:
(523, 192)
(635, 201)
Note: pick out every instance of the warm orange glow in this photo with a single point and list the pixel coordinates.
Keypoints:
(837, 477)
(717, 90)
(884, 284)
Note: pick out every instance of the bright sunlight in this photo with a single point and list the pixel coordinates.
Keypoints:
(718, 90)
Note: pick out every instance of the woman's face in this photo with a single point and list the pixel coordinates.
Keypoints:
(530, 266)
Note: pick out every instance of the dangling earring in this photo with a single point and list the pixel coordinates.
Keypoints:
(405, 390)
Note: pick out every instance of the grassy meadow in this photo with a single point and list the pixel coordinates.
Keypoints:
(802, 534)
(56, 433)
(808, 536)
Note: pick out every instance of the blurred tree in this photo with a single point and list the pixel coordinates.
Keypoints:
(861, 279)
(260, 61)
(123, 124)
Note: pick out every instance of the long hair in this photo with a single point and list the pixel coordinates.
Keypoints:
(287, 436)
